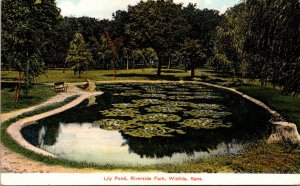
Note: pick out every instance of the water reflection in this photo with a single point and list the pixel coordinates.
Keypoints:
(75, 135)
(110, 147)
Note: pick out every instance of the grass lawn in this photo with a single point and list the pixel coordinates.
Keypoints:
(287, 106)
(38, 94)
(132, 74)
(101, 75)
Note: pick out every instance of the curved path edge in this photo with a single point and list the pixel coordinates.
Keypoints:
(281, 130)
(14, 130)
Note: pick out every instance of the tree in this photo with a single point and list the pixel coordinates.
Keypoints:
(157, 24)
(95, 49)
(230, 40)
(49, 22)
(272, 42)
(25, 34)
(113, 46)
(203, 25)
(79, 56)
(193, 50)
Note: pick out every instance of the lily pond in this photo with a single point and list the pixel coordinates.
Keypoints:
(149, 124)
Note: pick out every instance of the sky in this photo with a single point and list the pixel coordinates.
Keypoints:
(103, 9)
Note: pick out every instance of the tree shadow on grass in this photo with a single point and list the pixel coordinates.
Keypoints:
(173, 71)
(3, 78)
(150, 76)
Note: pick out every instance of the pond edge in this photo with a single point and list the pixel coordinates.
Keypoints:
(282, 131)
(14, 130)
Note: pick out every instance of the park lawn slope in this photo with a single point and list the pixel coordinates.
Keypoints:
(68, 76)
(38, 94)
(287, 106)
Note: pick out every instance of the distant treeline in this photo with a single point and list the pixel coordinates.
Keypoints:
(258, 39)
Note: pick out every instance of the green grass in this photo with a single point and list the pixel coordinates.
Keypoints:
(102, 75)
(287, 106)
(38, 94)
(257, 158)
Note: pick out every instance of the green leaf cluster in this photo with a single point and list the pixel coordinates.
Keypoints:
(79, 56)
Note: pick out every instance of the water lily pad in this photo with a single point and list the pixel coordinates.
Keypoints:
(158, 117)
(144, 102)
(181, 104)
(162, 96)
(124, 105)
(152, 89)
(180, 131)
(205, 106)
(149, 131)
(206, 113)
(178, 89)
(169, 86)
(114, 124)
(204, 123)
(182, 97)
(164, 109)
(121, 112)
(180, 93)
(128, 94)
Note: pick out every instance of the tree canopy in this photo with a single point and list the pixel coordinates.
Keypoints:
(157, 24)
(27, 32)
(258, 39)
(79, 56)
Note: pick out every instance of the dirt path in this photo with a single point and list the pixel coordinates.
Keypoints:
(16, 163)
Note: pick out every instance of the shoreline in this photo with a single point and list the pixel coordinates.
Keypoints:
(14, 129)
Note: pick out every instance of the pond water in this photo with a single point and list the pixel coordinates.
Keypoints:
(147, 124)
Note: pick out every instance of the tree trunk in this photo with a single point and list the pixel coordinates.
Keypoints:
(18, 88)
(192, 68)
(114, 68)
(127, 64)
(160, 59)
(159, 68)
(169, 66)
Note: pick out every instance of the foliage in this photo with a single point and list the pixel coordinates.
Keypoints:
(274, 56)
(193, 50)
(229, 44)
(260, 39)
(79, 56)
(158, 24)
(27, 31)
(203, 26)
